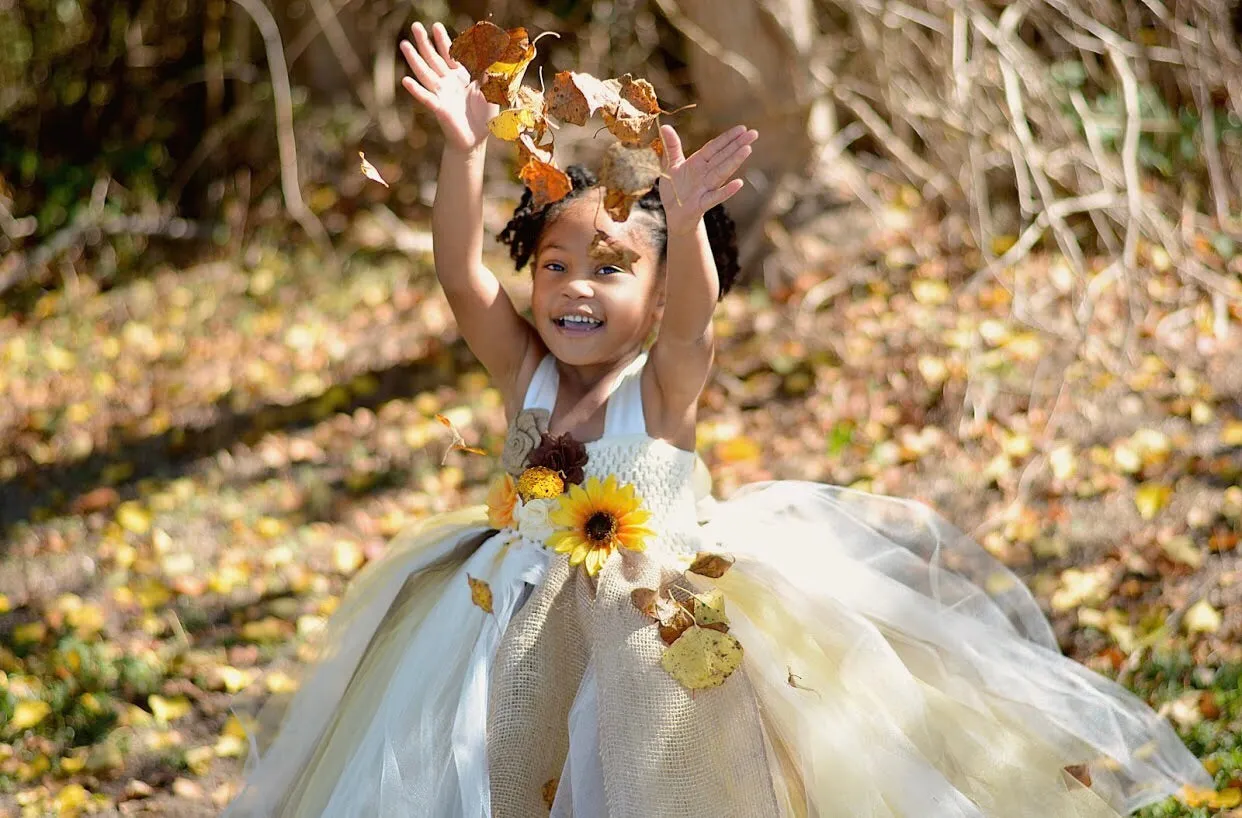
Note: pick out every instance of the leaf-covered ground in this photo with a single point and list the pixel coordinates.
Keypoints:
(192, 467)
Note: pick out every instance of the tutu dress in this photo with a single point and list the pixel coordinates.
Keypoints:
(860, 657)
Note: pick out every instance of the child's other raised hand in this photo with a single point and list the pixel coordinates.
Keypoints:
(443, 85)
(691, 187)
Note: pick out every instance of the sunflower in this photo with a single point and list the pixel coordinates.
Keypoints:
(501, 499)
(597, 518)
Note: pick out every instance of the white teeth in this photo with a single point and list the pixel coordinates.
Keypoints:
(579, 319)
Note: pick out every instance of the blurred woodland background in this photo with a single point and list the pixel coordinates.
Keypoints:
(991, 261)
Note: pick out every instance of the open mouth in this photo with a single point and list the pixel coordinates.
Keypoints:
(578, 323)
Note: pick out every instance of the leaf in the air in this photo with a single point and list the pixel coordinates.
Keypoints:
(369, 171)
(511, 123)
(573, 97)
(605, 250)
(480, 593)
(479, 46)
(459, 443)
(547, 182)
(501, 79)
(626, 174)
(702, 658)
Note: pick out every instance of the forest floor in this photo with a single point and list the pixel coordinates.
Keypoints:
(193, 465)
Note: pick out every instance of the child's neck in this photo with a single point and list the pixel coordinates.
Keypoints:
(579, 380)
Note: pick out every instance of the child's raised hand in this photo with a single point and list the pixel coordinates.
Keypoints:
(691, 187)
(443, 85)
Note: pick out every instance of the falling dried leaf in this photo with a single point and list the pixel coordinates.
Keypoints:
(702, 658)
(479, 46)
(626, 175)
(573, 98)
(501, 79)
(459, 442)
(712, 566)
(547, 182)
(480, 593)
(605, 250)
(369, 170)
(1151, 498)
(512, 123)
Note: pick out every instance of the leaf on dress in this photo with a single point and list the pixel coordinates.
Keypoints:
(549, 792)
(702, 658)
(710, 565)
(480, 593)
(670, 615)
(709, 611)
(369, 170)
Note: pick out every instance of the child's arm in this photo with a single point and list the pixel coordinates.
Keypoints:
(682, 355)
(495, 333)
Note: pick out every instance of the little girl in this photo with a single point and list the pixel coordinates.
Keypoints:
(588, 646)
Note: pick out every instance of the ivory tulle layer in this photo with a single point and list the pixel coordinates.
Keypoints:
(892, 668)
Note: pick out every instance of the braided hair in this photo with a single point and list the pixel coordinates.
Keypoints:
(523, 230)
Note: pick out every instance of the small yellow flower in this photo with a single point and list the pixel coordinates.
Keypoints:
(501, 498)
(538, 482)
(596, 519)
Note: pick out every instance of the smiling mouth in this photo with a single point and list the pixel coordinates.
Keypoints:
(578, 323)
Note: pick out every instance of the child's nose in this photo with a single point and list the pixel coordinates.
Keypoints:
(579, 288)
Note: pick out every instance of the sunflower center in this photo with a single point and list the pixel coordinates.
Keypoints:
(601, 527)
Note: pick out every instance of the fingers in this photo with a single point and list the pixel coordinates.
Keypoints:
(420, 94)
(673, 154)
(427, 51)
(725, 164)
(443, 44)
(422, 72)
(720, 195)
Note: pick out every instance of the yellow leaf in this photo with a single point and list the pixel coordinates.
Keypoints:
(1212, 799)
(1079, 587)
(509, 125)
(709, 609)
(480, 593)
(5, 605)
(233, 679)
(702, 658)
(1151, 498)
(230, 747)
(1201, 618)
(268, 629)
(1181, 548)
(1064, 464)
(28, 633)
(71, 800)
(347, 557)
(168, 710)
(280, 683)
(738, 449)
(930, 291)
(1231, 433)
(133, 518)
(198, 760)
(27, 714)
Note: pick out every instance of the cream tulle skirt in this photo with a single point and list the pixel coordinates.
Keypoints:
(891, 668)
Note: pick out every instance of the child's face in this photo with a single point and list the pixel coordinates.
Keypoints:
(595, 298)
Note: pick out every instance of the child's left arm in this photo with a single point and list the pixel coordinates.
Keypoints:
(682, 355)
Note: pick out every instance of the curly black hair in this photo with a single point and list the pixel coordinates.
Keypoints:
(523, 230)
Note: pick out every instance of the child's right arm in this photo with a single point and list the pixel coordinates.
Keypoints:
(499, 337)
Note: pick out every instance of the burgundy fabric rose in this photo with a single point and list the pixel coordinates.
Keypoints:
(561, 454)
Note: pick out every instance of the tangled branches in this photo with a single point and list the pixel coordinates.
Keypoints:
(1101, 119)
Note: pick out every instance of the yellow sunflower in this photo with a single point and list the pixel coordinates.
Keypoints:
(597, 518)
(501, 499)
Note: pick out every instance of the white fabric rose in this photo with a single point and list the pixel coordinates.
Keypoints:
(532, 519)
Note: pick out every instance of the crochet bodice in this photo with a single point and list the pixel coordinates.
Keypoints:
(660, 472)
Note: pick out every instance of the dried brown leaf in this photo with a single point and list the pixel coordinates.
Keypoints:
(547, 182)
(710, 565)
(479, 46)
